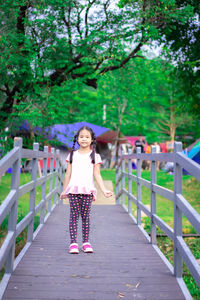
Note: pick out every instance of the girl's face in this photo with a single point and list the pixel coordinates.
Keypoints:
(84, 138)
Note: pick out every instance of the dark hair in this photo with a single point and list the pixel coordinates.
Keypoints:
(94, 143)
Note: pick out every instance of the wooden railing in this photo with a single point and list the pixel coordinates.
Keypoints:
(9, 206)
(181, 205)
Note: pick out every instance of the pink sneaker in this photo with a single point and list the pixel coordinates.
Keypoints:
(87, 248)
(73, 248)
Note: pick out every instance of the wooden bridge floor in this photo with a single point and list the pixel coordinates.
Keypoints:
(123, 266)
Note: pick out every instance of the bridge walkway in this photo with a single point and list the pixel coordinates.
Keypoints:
(123, 266)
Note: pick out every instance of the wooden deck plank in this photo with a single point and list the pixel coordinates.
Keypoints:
(123, 266)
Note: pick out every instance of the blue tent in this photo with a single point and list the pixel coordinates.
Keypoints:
(194, 154)
(65, 132)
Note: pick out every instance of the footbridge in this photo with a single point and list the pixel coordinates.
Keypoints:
(126, 263)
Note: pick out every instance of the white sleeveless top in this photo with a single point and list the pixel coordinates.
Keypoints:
(81, 181)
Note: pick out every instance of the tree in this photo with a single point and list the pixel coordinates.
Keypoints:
(171, 119)
(54, 105)
(182, 44)
(45, 43)
(146, 98)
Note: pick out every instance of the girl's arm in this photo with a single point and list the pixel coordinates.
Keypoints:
(99, 180)
(67, 178)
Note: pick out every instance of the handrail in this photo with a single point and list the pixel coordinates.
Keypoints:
(181, 206)
(10, 203)
(8, 160)
(152, 157)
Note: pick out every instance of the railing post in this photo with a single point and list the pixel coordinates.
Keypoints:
(63, 177)
(153, 197)
(123, 179)
(33, 192)
(116, 184)
(51, 179)
(129, 183)
(12, 220)
(56, 177)
(60, 170)
(44, 184)
(177, 212)
(138, 187)
(120, 184)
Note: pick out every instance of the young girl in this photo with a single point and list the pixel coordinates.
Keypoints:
(79, 187)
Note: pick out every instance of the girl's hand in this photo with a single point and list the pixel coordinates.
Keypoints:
(63, 196)
(107, 194)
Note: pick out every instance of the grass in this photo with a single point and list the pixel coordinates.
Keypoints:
(191, 189)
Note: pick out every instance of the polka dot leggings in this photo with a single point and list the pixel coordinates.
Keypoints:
(80, 204)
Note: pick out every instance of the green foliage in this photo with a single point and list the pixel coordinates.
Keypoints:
(183, 44)
(51, 49)
(178, 25)
(150, 91)
(45, 43)
(153, 98)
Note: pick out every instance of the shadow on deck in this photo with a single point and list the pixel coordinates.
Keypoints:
(123, 266)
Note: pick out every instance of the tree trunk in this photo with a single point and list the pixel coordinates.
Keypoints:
(117, 144)
(172, 122)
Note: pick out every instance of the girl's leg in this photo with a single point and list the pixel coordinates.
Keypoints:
(85, 214)
(74, 216)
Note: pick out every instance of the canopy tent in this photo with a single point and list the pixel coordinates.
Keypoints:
(110, 137)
